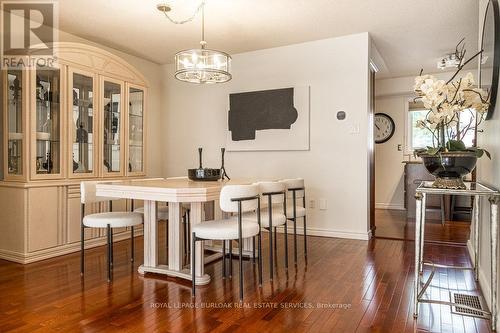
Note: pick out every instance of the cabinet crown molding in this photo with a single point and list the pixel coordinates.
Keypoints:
(98, 60)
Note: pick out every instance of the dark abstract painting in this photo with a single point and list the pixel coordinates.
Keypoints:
(260, 110)
(275, 119)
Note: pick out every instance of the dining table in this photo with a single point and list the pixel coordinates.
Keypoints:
(175, 192)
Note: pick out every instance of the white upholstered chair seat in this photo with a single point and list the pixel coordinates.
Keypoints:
(161, 212)
(225, 229)
(113, 219)
(299, 210)
(278, 218)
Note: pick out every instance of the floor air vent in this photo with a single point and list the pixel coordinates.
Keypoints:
(469, 300)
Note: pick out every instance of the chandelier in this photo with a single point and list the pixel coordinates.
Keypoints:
(200, 65)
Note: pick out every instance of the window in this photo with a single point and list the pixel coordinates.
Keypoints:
(421, 137)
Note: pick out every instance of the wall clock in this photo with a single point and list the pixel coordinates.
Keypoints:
(384, 127)
(490, 58)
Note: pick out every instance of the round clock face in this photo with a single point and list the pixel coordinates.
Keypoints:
(384, 127)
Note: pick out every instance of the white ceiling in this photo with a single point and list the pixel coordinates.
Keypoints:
(409, 34)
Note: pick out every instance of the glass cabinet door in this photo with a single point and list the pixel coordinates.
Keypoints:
(135, 127)
(82, 124)
(47, 120)
(14, 120)
(112, 127)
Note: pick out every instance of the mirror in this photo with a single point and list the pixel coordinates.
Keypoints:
(490, 58)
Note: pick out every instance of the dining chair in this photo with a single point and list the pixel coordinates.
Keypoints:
(233, 199)
(296, 191)
(108, 220)
(272, 216)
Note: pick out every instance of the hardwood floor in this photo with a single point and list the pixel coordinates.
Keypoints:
(370, 282)
(393, 224)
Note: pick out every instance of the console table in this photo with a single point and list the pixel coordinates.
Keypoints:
(477, 191)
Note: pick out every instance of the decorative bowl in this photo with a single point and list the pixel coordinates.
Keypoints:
(449, 168)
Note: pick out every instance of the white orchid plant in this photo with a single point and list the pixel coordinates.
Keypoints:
(446, 102)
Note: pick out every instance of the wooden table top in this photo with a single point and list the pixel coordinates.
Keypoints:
(169, 189)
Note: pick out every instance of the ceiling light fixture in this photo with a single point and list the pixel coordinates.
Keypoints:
(449, 61)
(199, 65)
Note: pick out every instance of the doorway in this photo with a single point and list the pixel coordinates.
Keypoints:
(396, 175)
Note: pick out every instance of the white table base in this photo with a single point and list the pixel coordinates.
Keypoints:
(175, 266)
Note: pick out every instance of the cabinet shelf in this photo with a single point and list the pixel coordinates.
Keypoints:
(49, 140)
(44, 102)
(14, 136)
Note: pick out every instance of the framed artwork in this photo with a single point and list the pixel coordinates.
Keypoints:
(275, 119)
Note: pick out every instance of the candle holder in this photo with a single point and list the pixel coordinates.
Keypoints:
(222, 168)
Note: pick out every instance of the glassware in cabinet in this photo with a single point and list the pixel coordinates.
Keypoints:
(14, 120)
(112, 123)
(48, 120)
(136, 130)
(82, 123)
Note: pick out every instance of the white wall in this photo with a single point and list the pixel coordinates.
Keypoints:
(389, 180)
(488, 173)
(335, 168)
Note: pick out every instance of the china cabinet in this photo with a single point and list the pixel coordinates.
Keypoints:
(82, 118)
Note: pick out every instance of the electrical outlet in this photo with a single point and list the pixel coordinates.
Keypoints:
(354, 129)
(311, 204)
(322, 204)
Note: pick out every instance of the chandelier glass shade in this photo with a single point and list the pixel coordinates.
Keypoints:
(202, 66)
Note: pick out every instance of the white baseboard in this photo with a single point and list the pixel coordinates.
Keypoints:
(328, 233)
(26, 258)
(382, 205)
(484, 284)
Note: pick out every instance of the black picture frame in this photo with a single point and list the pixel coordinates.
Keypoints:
(492, 7)
(381, 114)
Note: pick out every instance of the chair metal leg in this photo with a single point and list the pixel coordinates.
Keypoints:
(253, 249)
(112, 257)
(275, 241)
(240, 250)
(294, 196)
(82, 240)
(110, 246)
(286, 245)
(223, 259)
(230, 259)
(295, 239)
(193, 264)
(132, 256)
(305, 237)
(260, 258)
(270, 254)
(82, 249)
(270, 213)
